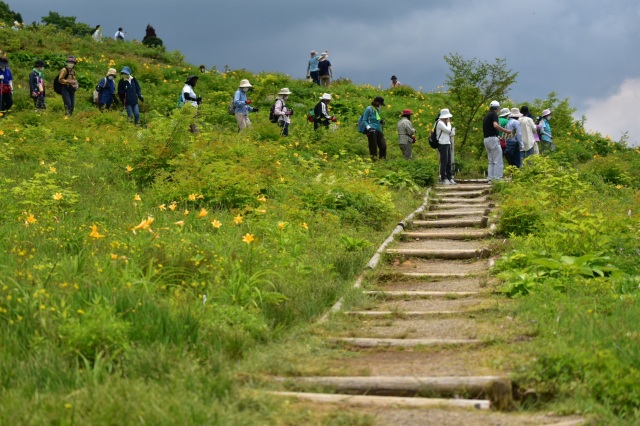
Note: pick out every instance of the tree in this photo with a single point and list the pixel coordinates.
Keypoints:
(472, 85)
(67, 23)
(7, 15)
(150, 38)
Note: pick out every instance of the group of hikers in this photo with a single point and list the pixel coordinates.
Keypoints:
(511, 133)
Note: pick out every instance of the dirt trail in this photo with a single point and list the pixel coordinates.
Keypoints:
(418, 350)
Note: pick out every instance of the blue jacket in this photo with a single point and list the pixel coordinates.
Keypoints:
(545, 131)
(372, 118)
(107, 91)
(313, 64)
(240, 101)
(129, 91)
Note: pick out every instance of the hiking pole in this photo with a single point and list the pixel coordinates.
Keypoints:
(1, 92)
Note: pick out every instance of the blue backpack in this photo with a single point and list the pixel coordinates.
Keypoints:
(362, 126)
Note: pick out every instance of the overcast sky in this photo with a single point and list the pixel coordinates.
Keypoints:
(584, 50)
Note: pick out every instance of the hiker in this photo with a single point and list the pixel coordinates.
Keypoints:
(503, 119)
(189, 97)
(395, 82)
(119, 35)
(107, 90)
(6, 85)
(491, 129)
(36, 85)
(243, 105)
(529, 131)
(312, 68)
(444, 131)
(514, 139)
(406, 134)
(321, 112)
(16, 26)
(129, 93)
(546, 139)
(373, 124)
(282, 112)
(325, 72)
(202, 69)
(68, 85)
(97, 33)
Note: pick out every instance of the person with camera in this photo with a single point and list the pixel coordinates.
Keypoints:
(68, 85)
(243, 105)
(281, 111)
(321, 112)
(445, 132)
(374, 124)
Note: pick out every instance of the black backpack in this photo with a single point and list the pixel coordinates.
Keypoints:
(433, 138)
(272, 112)
(57, 86)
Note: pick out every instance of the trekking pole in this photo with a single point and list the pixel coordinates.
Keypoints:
(1, 92)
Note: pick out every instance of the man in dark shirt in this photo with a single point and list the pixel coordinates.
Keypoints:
(491, 129)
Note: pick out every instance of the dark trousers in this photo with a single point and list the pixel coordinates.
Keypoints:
(7, 101)
(68, 98)
(315, 76)
(285, 128)
(444, 152)
(320, 122)
(377, 145)
(38, 101)
(512, 153)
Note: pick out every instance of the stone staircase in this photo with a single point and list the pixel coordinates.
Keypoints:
(428, 320)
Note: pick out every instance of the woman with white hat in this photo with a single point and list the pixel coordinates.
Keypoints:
(281, 111)
(321, 112)
(546, 139)
(325, 71)
(243, 105)
(107, 90)
(444, 131)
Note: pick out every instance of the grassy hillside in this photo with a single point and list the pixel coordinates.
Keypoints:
(141, 263)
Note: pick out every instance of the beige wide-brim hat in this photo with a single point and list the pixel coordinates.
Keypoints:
(245, 83)
(325, 97)
(515, 113)
(112, 71)
(323, 56)
(284, 91)
(444, 113)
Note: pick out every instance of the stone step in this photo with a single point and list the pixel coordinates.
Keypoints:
(461, 194)
(379, 342)
(465, 187)
(451, 223)
(437, 214)
(496, 388)
(460, 200)
(403, 314)
(386, 401)
(474, 234)
(451, 206)
(442, 254)
(395, 294)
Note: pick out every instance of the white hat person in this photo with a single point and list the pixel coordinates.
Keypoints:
(284, 91)
(325, 97)
(245, 83)
(444, 113)
(504, 112)
(515, 113)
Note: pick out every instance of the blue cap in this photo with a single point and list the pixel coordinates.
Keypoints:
(126, 70)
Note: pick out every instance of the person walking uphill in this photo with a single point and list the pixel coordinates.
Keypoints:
(243, 105)
(491, 129)
(107, 90)
(129, 93)
(444, 131)
(373, 124)
(68, 85)
(190, 98)
(321, 112)
(529, 131)
(406, 134)
(312, 68)
(6, 85)
(36, 85)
